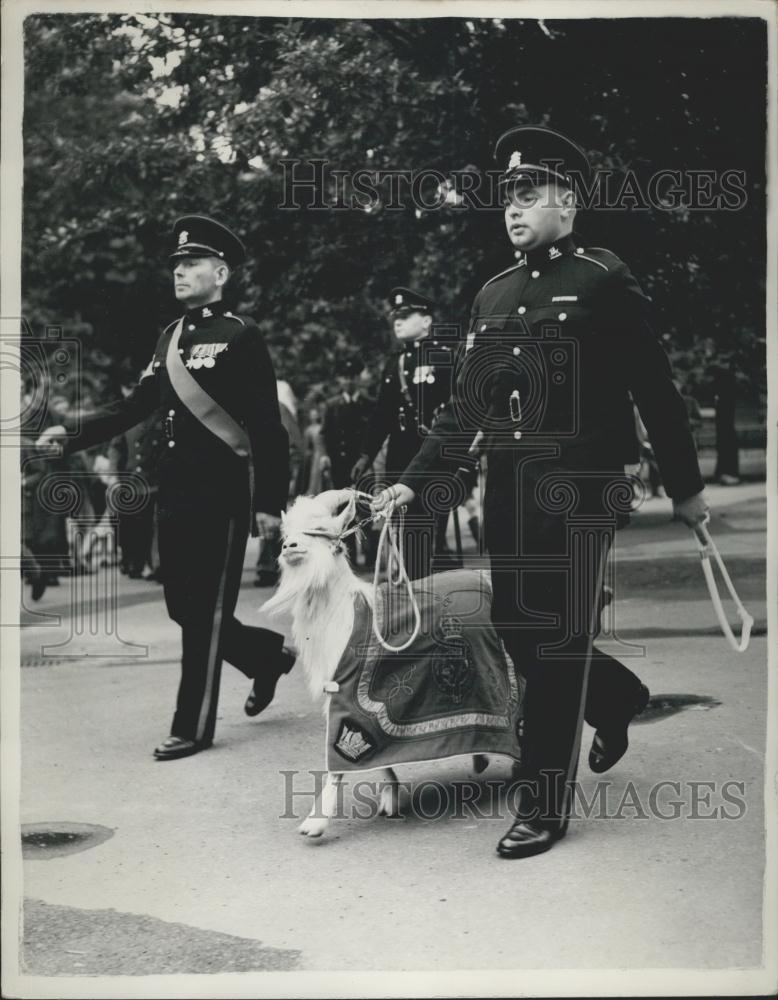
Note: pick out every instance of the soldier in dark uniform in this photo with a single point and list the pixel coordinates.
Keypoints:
(415, 385)
(224, 467)
(346, 415)
(556, 343)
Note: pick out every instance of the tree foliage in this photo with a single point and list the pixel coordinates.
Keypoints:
(131, 121)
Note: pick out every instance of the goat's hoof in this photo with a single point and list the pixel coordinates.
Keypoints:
(389, 802)
(480, 762)
(312, 826)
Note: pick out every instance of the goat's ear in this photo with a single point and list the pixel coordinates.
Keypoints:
(283, 519)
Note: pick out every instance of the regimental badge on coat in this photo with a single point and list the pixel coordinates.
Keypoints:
(204, 355)
(453, 671)
(353, 742)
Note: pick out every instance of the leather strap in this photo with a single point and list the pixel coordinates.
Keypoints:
(200, 404)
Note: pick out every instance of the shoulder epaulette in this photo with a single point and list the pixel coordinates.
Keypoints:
(231, 315)
(169, 325)
(506, 271)
(584, 253)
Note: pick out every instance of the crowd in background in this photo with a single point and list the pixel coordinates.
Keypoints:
(325, 435)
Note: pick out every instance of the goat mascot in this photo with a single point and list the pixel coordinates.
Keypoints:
(451, 690)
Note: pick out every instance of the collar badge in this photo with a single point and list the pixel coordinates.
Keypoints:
(207, 312)
(553, 252)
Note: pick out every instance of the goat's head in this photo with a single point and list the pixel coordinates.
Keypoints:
(312, 555)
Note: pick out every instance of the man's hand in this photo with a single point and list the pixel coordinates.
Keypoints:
(402, 496)
(268, 525)
(53, 438)
(692, 511)
(359, 468)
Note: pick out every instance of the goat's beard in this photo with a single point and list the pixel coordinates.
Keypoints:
(307, 586)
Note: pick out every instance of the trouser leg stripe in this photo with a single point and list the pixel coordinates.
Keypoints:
(604, 545)
(214, 652)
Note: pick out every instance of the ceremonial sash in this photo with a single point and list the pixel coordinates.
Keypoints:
(200, 404)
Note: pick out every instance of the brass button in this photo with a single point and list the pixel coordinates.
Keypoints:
(563, 315)
(579, 249)
(522, 310)
(191, 326)
(171, 444)
(483, 327)
(171, 413)
(516, 434)
(535, 274)
(517, 351)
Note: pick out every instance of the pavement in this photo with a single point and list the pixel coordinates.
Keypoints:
(199, 867)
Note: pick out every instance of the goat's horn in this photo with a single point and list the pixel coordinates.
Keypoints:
(347, 514)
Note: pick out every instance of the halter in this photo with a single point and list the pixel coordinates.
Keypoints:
(396, 573)
(337, 538)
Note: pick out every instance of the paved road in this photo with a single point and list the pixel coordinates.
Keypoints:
(203, 870)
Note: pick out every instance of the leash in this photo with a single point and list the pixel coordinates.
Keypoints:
(396, 573)
(707, 548)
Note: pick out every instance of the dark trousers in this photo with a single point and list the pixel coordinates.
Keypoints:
(548, 535)
(201, 550)
(136, 532)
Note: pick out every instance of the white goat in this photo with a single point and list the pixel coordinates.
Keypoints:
(319, 589)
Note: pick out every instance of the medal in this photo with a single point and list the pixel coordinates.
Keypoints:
(209, 362)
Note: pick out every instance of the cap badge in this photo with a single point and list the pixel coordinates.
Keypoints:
(183, 237)
(398, 300)
(515, 160)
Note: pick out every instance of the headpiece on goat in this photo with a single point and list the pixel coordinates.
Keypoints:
(311, 576)
(318, 515)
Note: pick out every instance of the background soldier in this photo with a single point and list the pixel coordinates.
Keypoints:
(557, 342)
(415, 385)
(343, 429)
(225, 463)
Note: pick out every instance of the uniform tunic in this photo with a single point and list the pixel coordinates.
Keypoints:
(415, 386)
(343, 429)
(556, 345)
(207, 495)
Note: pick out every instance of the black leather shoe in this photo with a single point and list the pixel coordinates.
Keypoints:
(175, 747)
(526, 838)
(610, 744)
(265, 685)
